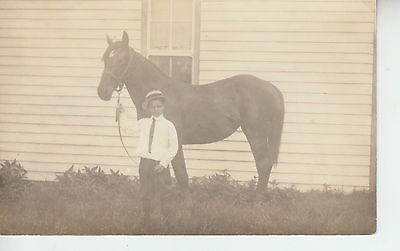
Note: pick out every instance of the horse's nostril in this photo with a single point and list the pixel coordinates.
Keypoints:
(101, 93)
(104, 93)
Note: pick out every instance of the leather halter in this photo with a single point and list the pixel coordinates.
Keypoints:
(120, 79)
(118, 89)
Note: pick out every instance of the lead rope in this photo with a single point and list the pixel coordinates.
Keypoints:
(119, 125)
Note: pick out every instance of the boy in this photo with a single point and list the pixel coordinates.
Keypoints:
(157, 146)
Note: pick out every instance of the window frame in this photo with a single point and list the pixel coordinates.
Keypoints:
(194, 52)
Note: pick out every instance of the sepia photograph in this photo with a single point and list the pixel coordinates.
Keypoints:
(188, 117)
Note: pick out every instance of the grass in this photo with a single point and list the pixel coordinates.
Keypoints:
(91, 202)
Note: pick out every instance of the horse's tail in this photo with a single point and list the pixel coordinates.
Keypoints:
(275, 135)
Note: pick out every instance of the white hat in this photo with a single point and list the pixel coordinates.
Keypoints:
(156, 94)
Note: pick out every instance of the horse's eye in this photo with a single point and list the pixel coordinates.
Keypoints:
(112, 54)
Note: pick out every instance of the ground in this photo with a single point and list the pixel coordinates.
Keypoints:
(91, 202)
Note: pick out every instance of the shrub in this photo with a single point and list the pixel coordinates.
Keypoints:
(12, 179)
(220, 187)
(93, 182)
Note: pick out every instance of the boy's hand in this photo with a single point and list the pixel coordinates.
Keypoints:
(159, 168)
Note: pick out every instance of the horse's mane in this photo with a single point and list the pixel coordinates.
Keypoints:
(146, 62)
(153, 66)
(150, 64)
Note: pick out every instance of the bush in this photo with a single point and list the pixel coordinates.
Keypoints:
(93, 182)
(12, 179)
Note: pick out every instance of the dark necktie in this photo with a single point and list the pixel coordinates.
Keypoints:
(151, 135)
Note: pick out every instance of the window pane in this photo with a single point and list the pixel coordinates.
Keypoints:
(160, 10)
(182, 69)
(182, 10)
(159, 35)
(162, 62)
(182, 36)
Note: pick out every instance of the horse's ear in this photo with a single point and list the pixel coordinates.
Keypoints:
(109, 41)
(125, 38)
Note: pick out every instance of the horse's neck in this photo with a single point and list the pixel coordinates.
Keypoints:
(143, 78)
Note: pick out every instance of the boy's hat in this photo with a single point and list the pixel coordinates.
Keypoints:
(156, 94)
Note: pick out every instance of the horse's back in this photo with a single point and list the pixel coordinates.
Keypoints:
(248, 87)
(254, 98)
(213, 111)
(232, 94)
(245, 83)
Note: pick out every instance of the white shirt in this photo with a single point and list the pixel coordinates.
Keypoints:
(165, 139)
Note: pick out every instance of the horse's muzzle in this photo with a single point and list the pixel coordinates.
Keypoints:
(104, 94)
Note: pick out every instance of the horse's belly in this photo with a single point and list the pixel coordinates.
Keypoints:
(209, 128)
(210, 113)
(205, 136)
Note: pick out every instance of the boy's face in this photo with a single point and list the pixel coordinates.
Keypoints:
(156, 107)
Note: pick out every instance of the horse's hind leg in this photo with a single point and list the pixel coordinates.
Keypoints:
(260, 148)
(178, 163)
(179, 166)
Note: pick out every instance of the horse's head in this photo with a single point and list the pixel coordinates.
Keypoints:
(117, 59)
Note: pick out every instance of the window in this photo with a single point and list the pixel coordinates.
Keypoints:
(170, 37)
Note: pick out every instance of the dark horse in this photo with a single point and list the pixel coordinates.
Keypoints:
(201, 113)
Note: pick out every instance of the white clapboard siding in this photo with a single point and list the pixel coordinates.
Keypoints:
(76, 14)
(65, 53)
(295, 16)
(289, 6)
(51, 5)
(288, 67)
(277, 42)
(300, 57)
(261, 26)
(320, 55)
(50, 66)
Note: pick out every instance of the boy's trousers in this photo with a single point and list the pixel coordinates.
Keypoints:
(154, 184)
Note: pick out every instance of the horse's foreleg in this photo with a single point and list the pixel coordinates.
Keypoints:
(179, 166)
